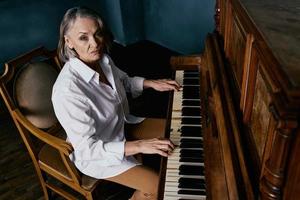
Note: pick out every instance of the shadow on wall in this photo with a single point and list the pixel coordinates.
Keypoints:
(149, 60)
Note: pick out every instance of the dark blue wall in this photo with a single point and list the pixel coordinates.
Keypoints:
(28, 24)
(179, 25)
(176, 24)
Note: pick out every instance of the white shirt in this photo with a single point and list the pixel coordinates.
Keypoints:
(93, 115)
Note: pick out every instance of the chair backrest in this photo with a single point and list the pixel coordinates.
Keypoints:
(32, 93)
(26, 88)
(30, 68)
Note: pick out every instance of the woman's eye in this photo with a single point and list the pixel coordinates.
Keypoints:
(83, 38)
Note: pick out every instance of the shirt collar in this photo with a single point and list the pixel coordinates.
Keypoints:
(85, 71)
(105, 59)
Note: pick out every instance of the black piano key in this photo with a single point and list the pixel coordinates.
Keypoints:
(191, 130)
(191, 92)
(189, 120)
(191, 88)
(191, 153)
(190, 134)
(190, 96)
(188, 71)
(191, 157)
(191, 75)
(194, 129)
(191, 103)
(191, 170)
(187, 140)
(191, 81)
(190, 111)
(194, 180)
(191, 186)
(191, 183)
(191, 145)
(192, 160)
(192, 192)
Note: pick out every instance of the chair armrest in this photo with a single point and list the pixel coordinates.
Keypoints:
(55, 142)
(185, 62)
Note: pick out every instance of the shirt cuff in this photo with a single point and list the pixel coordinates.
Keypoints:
(116, 148)
(138, 86)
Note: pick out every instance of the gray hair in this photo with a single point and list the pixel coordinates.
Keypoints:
(64, 52)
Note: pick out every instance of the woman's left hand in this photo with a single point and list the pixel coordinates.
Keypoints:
(162, 85)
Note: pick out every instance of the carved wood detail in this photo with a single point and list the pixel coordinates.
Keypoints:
(275, 168)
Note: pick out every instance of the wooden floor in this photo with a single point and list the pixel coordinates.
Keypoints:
(18, 180)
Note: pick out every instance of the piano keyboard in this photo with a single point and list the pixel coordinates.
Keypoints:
(185, 167)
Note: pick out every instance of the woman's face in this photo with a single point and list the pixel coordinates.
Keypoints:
(85, 37)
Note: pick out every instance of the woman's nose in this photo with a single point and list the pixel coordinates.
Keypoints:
(94, 42)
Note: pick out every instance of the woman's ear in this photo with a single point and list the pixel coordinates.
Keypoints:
(68, 42)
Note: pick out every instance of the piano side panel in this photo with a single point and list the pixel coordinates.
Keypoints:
(214, 175)
(241, 69)
(222, 12)
(260, 117)
(226, 12)
(292, 191)
(227, 130)
(267, 130)
(238, 41)
(249, 79)
(235, 39)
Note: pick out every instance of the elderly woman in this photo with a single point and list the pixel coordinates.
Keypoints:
(89, 99)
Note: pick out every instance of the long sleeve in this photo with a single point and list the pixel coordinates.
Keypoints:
(75, 116)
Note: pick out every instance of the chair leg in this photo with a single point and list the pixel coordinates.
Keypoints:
(89, 196)
(46, 191)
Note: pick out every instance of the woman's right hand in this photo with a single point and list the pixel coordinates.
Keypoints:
(163, 147)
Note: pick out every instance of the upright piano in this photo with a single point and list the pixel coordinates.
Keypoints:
(235, 121)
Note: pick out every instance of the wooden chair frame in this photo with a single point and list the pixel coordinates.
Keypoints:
(26, 129)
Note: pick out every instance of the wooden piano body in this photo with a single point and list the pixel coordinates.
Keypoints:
(250, 98)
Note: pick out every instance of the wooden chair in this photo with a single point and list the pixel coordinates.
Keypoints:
(26, 88)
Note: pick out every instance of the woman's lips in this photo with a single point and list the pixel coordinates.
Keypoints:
(95, 51)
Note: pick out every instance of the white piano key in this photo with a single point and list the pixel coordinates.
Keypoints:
(174, 187)
(183, 116)
(178, 137)
(175, 155)
(174, 176)
(179, 77)
(185, 196)
(174, 164)
(168, 197)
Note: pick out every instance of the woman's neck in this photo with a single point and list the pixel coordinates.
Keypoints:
(93, 65)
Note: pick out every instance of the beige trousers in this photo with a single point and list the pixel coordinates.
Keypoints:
(142, 178)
